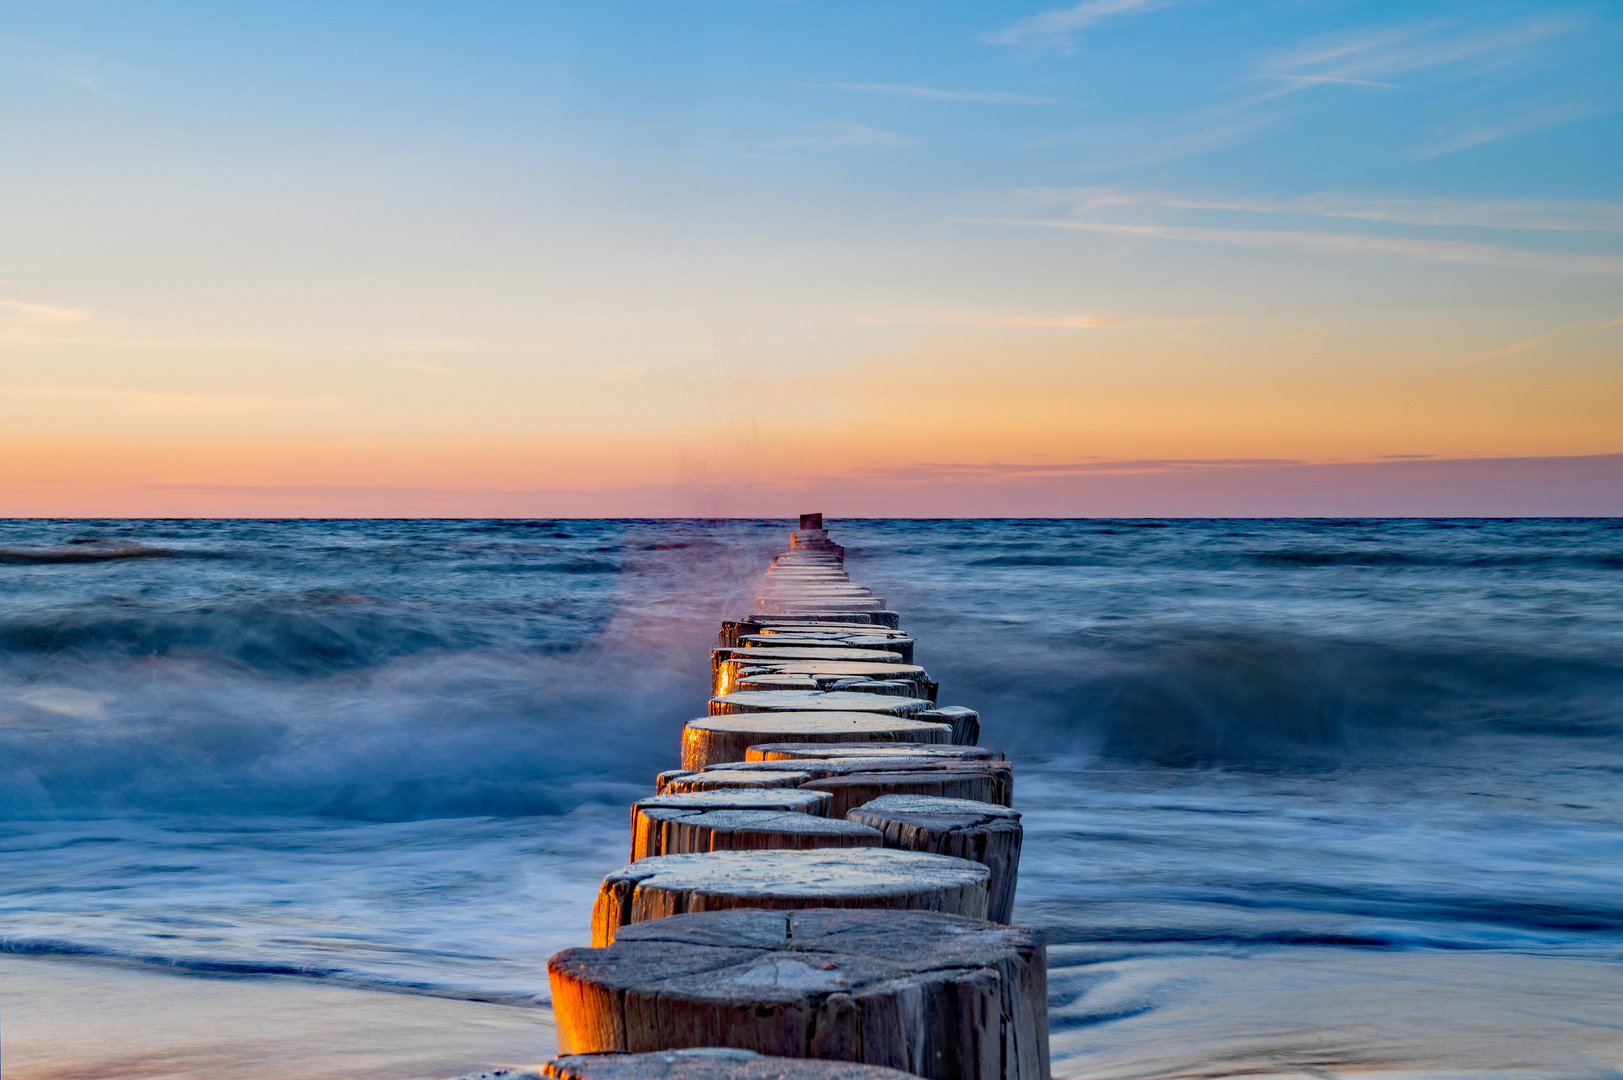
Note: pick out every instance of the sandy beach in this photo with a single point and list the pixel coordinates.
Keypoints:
(66, 1019)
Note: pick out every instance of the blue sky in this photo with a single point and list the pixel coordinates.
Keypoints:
(1327, 231)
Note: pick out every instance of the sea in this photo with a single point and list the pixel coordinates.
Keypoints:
(1302, 797)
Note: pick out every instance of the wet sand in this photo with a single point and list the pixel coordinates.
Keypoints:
(1314, 1014)
(66, 1019)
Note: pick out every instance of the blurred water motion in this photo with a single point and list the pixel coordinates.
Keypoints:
(1303, 797)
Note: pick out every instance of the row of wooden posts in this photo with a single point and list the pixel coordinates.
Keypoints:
(823, 889)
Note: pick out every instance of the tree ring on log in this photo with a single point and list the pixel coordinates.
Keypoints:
(645, 831)
(998, 787)
(681, 832)
(990, 835)
(703, 1063)
(710, 740)
(970, 781)
(656, 888)
(942, 997)
(815, 701)
(681, 781)
(787, 751)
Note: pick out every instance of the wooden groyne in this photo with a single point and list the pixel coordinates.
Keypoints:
(828, 877)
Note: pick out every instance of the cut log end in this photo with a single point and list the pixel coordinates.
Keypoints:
(660, 887)
(786, 751)
(964, 829)
(703, 1063)
(648, 831)
(680, 832)
(715, 739)
(943, 997)
(681, 782)
(815, 701)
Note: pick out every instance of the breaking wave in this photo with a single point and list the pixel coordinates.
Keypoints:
(394, 671)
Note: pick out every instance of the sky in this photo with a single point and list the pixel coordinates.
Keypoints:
(1121, 257)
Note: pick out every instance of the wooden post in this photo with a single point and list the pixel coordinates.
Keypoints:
(646, 831)
(952, 782)
(699, 1063)
(941, 997)
(684, 832)
(966, 723)
(878, 772)
(747, 921)
(681, 781)
(813, 700)
(720, 657)
(790, 750)
(708, 740)
(990, 835)
(657, 888)
(785, 638)
(727, 674)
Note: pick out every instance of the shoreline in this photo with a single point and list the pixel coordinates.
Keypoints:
(75, 1018)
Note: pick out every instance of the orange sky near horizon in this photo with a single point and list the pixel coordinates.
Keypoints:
(234, 266)
(983, 395)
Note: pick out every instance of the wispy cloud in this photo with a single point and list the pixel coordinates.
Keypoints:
(142, 403)
(1030, 471)
(1332, 243)
(1513, 127)
(15, 312)
(1511, 350)
(623, 372)
(1052, 322)
(1376, 55)
(58, 65)
(1530, 214)
(926, 93)
(1111, 146)
(1320, 80)
(1535, 342)
(1065, 322)
(848, 136)
(1061, 27)
(432, 369)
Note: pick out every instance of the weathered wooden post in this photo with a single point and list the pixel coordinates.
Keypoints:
(814, 882)
(707, 740)
(816, 701)
(854, 789)
(648, 832)
(939, 996)
(699, 1063)
(788, 751)
(895, 775)
(680, 781)
(689, 832)
(667, 885)
(990, 835)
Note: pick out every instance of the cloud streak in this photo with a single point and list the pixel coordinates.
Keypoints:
(1342, 244)
(848, 136)
(1051, 322)
(1374, 56)
(1533, 215)
(925, 93)
(955, 472)
(1533, 343)
(1541, 120)
(142, 403)
(1061, 27)
(16, 311)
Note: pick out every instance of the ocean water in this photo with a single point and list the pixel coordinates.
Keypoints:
(1302, 798)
